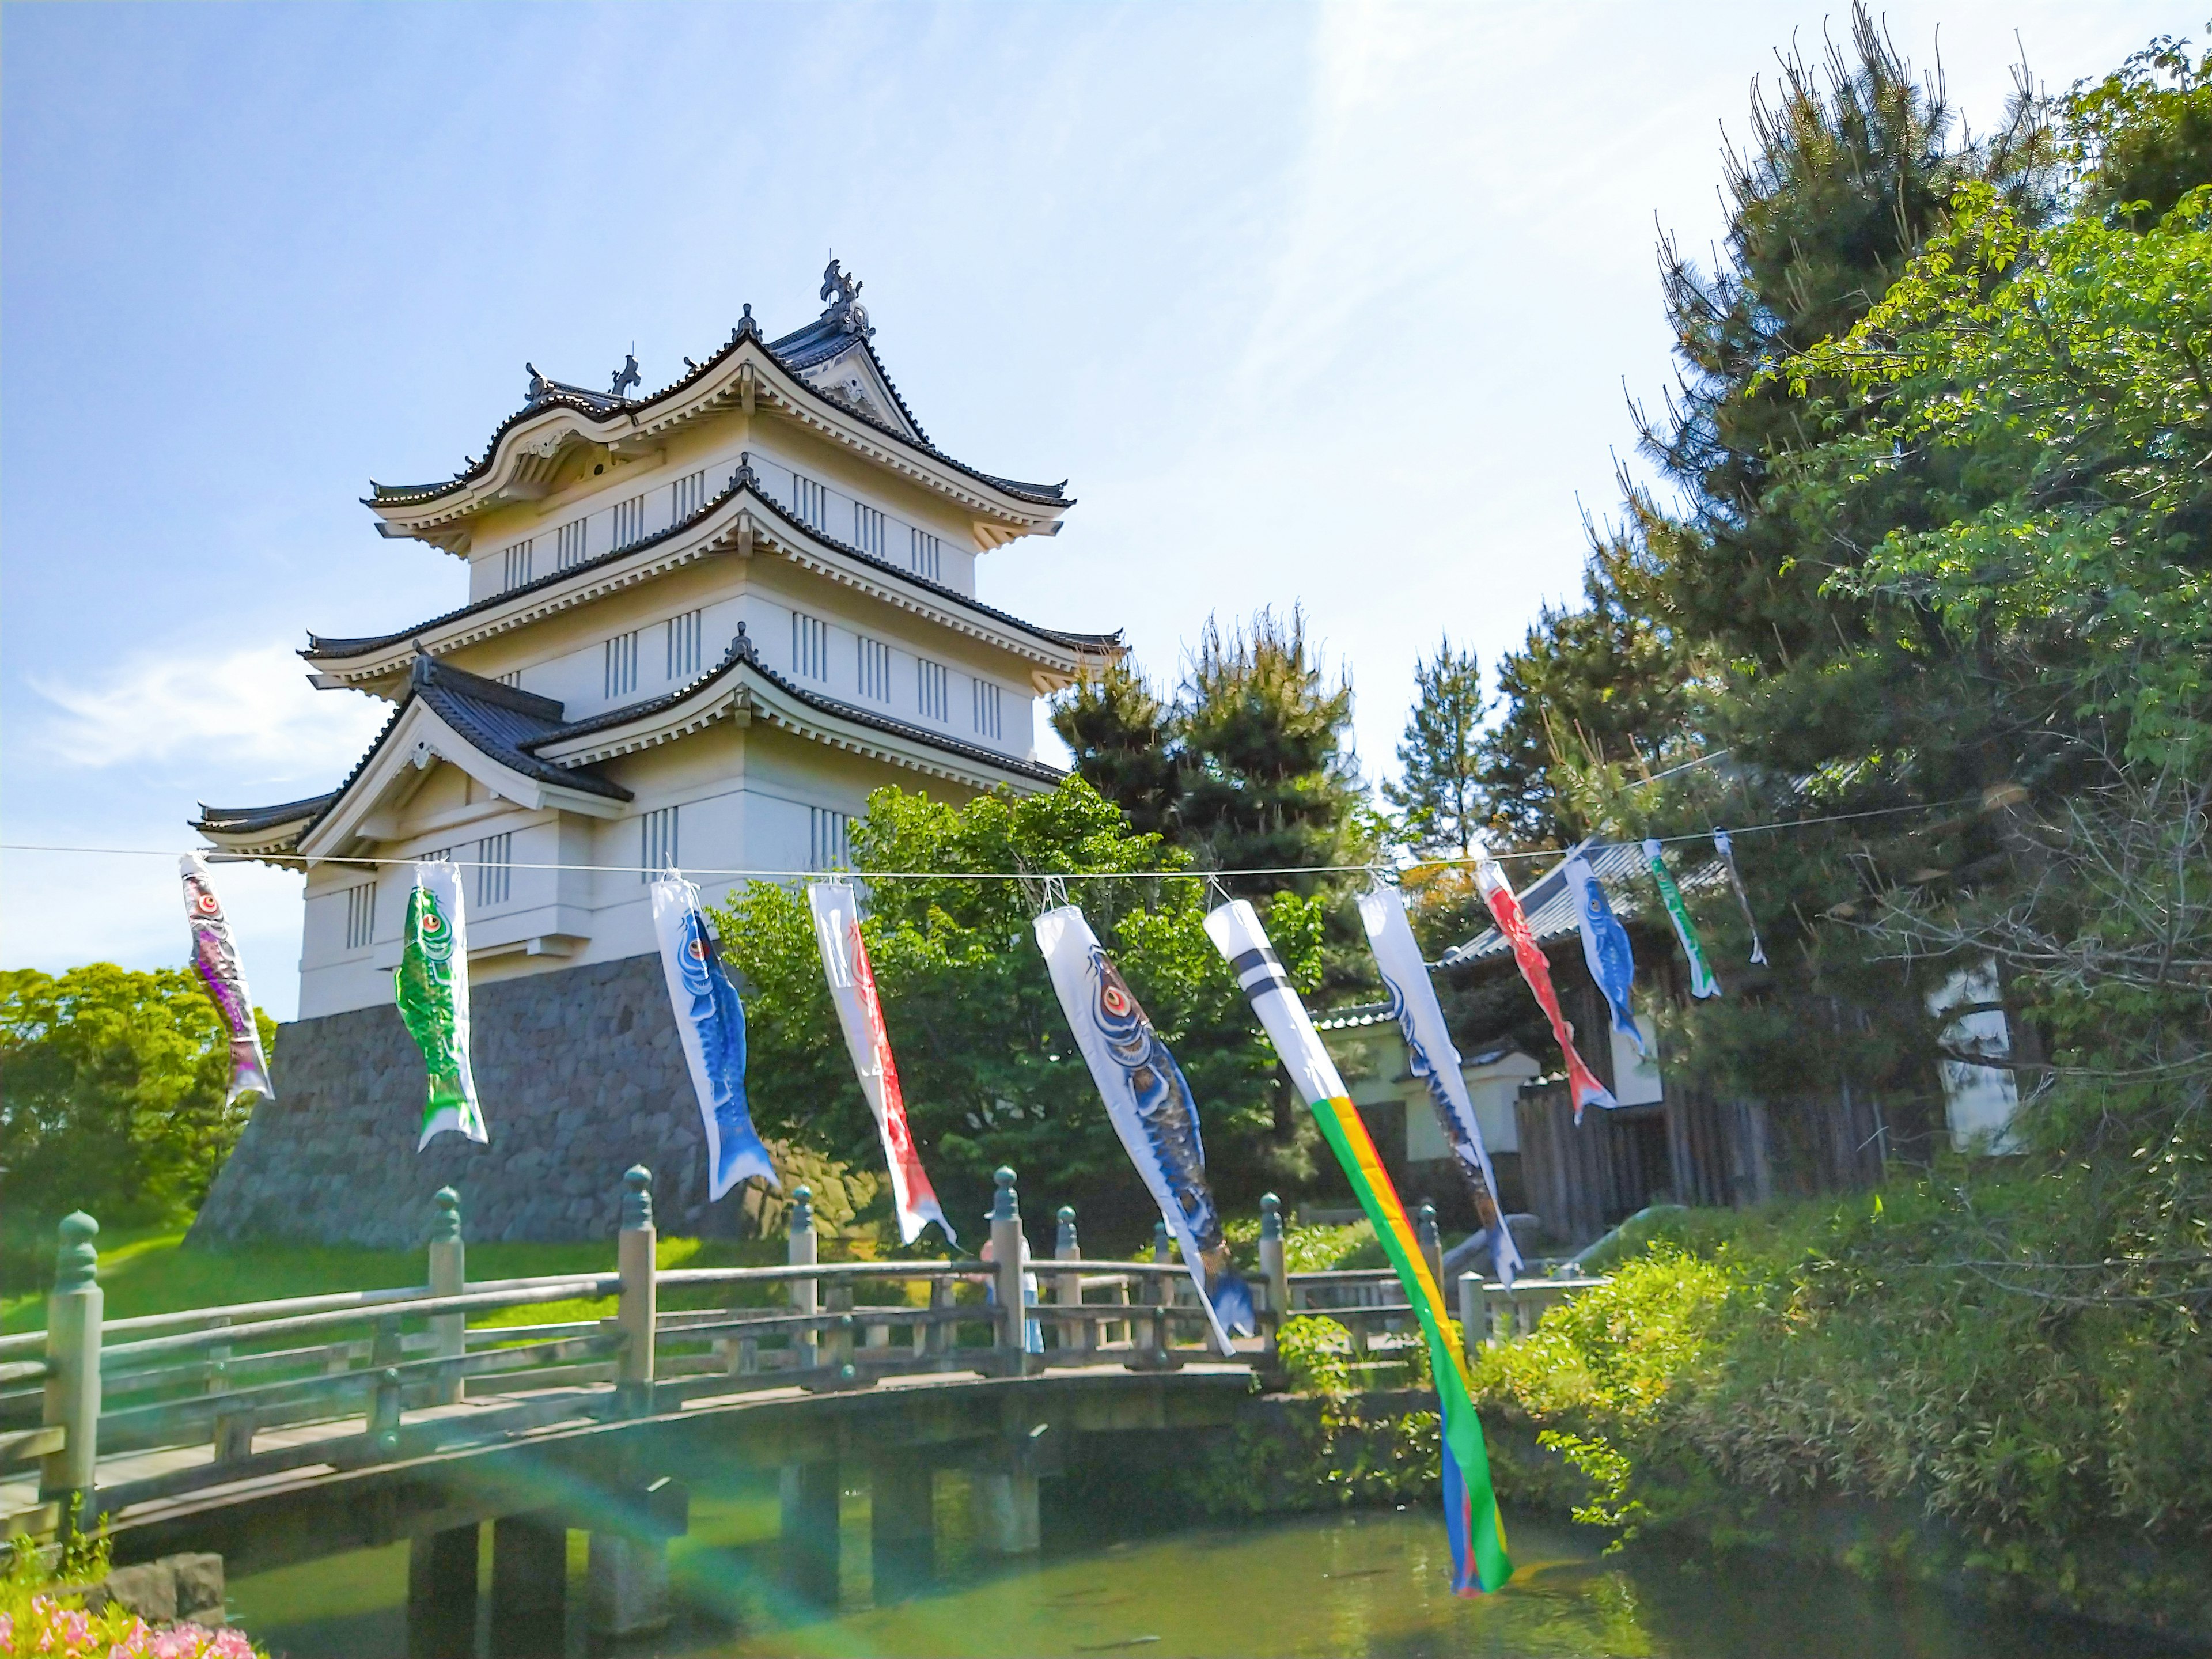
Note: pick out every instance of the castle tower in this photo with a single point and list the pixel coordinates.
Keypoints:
(702, 626)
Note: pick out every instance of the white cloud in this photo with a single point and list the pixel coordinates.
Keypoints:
(253, 710)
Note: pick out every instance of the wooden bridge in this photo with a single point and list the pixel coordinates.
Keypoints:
(278, 1431)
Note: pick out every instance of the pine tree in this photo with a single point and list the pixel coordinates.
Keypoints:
(1436, 794)
(1268, 782)
(1123, 739)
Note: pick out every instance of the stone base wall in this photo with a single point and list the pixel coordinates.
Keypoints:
(580, 1074)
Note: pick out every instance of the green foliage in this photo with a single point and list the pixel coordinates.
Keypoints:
(1436, 792)
(41, 1611)
(111, 1087)
(1927, 1345)
(1246, 770)
(1123, 739)
(1268, 784)
(2142, 138)
(991, 1074)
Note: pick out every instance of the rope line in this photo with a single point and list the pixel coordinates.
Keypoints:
(216, 855)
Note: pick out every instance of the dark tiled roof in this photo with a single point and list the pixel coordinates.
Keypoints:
(796, 351)
(504, 721)
(1549, 902)
(324, 648)
(741, 650)
(251, 820)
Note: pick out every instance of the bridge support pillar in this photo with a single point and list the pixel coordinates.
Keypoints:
(811, 1492)
(901, 1526)
(441, 1594)
(1006, 1522)
(626, 1584)
(529, 1581)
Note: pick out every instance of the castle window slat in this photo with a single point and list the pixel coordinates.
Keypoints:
(925, 555)
(687, 495)
(568, 544)
(810, 502)
(630, 521)
(809, 647)
(656, 850)
(829, 838)
(990, 712)
(494, 868)
(875, 670)
(931, 691)
(685, 635)
(868, 529)
(515, 567)
(621, 666)
(361, 916)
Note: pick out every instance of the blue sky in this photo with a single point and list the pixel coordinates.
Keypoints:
(1333, 304)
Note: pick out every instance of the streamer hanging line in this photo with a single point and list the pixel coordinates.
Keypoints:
(214, 957)
(1606, 949)
(853, 988)
(1480, 1561)
(1528, 956)
(1149, 1103)
(431, 986)
(710, 1023)
(1702, 981)
(1726, 848)
(1433, 1058)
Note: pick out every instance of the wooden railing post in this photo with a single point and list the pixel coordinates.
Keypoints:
(1473, 1314)
(1006, 1267)
(639, 1295)
(1432, 1244)
(1274, 1268)
(1067, 1290)
(1157, 1296)
(803, 1255)
(69, 1477)
(448, 1277)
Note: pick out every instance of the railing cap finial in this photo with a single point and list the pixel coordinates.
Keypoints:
(77, 1262)
(637, 1197)
(446, 1226)
(1271, 1216)
(1066, 1240)
(802, 1209)
(1005, 1206)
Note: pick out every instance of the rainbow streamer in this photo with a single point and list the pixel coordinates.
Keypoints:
(1479, 1563)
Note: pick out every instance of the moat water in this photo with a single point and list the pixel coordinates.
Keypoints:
(1362, 1583)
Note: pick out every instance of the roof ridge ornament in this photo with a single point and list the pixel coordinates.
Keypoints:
(745, 476)
(843, 292)
(627, 375)
(742, 648)
(540, 386)
(745, 325)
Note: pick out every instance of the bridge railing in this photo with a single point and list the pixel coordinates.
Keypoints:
(208, 1397)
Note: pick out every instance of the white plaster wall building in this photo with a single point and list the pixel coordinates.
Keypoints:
(701, 626)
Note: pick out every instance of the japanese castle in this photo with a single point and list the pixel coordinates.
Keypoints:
(702, 624)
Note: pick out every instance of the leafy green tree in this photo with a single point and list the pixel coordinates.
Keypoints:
(990, 1071)
(111, 1087)
(2142, 138)
(1436, 792)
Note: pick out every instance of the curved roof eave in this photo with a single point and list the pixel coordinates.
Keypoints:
(341, 650)
(654, 719)
(710, 383)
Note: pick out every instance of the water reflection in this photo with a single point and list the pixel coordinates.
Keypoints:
(1364, 1584)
